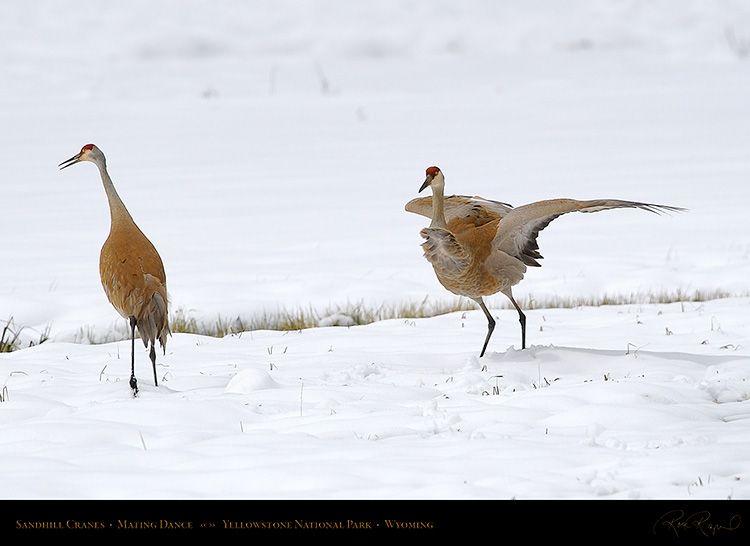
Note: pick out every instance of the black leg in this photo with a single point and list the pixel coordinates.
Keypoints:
(133, 381)
(152, 354)
(521, 319)
(490, 325)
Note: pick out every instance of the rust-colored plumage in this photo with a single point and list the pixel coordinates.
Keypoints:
(131, 270)
(479, 247)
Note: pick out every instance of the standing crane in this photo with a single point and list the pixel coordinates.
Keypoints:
(131, 270)
(479, 247)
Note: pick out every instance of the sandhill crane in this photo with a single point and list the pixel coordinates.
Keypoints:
(131, 270)
(479, 247)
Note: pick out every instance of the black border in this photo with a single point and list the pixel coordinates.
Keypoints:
(349, 520)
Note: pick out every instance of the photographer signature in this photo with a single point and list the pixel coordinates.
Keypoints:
(677, 521)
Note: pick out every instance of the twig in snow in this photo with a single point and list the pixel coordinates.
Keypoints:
(272, 80)
(635, 353)
(325, 85)
(739, 45)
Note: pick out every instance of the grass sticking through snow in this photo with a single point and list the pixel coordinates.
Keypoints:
(360, 313)
(300, 319)
(10, 337)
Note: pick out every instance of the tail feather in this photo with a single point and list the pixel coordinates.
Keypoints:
(153, 320)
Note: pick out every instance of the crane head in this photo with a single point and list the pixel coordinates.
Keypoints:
(432, 174)
(88, 153)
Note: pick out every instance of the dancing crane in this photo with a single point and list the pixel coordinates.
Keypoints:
(480, 247)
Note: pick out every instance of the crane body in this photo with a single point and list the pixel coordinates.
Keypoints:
(131, 270)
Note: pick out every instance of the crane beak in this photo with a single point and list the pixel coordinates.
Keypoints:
(72, 161)
(427, 182)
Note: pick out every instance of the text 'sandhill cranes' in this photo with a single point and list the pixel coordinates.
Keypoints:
(480, 247)
(131, 270)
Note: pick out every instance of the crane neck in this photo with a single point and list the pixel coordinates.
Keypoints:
(117, 211)
(438, 207)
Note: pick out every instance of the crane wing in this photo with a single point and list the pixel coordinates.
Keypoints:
(462, 210)
(443, 251)
(518, 231)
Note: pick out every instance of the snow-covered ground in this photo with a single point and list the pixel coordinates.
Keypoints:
(268, 148)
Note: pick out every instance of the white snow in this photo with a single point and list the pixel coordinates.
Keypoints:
(268, 148)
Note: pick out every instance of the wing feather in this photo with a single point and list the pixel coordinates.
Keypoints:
(462, 210)
(518, 231)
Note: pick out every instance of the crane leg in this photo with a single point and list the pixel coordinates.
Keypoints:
(490, 325)
(133, 380)
(152, 355)
(521, 318)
